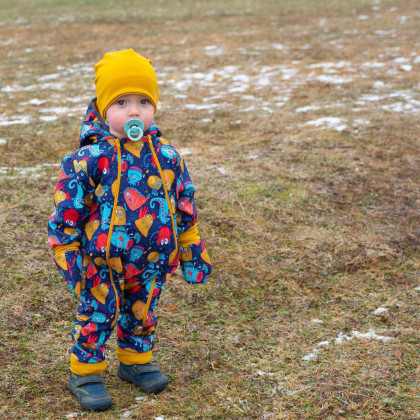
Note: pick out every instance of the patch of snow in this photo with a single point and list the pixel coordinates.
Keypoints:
(28, 170)
(317, 321)
(370, 98)
(278, 46)
(329, 123)
(311, 356)
(10, 89)
(371, 334)
(201, 107)
(380, 310)
(343, 337)
(3, 141)
(336, 80)
(378, 84)
(185, 152)
(34, 101)
(213, 50)
(401, 107)
(329, 65)
(381, 32)
(48, 118)
(24, 119)
(262, 373)
(56, 110)
(49, 77)
(372, 65)
(406, 67)
(363, 17)
(307, 108)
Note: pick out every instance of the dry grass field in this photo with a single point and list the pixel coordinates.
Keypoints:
(299, 121)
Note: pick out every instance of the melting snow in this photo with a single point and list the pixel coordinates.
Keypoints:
(29, 170)
(380, 310)
(24, 119)
(307, 108)
(336, 80)
(343, 337)
(329, 123)
(34, 101)
(213, 50)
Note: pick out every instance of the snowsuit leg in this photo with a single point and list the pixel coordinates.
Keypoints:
(137, 322)
(95, 319)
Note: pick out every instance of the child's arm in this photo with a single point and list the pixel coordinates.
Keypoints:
(72, 204)
(194, 259)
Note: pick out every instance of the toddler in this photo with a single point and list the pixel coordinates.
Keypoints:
(124, 218)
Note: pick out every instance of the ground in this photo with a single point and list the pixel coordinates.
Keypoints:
(299, 124)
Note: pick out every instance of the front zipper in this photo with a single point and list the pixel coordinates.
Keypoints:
(111, 226)
(149, 298)
(149, 139)
(149, 301)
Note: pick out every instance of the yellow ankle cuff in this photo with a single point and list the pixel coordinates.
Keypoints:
(131, 357)
(84, 369)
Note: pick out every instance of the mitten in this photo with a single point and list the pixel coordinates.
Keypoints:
(195, 263)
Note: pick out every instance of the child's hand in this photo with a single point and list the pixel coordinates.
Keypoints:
(195, 263)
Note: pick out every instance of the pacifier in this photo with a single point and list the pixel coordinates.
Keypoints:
(134, 129)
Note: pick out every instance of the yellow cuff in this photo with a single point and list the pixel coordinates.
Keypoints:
(59, 249)
(132, 357)
(189, 237)
(84, 369)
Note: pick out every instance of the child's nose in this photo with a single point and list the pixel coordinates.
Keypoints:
(134, 111)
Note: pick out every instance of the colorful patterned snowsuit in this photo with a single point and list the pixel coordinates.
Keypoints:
(125, 216)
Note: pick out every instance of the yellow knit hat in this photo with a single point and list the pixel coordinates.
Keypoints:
(122, 73)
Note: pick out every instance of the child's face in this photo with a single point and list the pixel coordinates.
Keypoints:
(126, 108)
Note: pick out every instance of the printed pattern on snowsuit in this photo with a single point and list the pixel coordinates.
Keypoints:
(124, 218)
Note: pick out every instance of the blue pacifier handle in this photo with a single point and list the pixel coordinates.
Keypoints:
(134, 129)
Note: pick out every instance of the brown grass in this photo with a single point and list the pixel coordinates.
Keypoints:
(310, 229)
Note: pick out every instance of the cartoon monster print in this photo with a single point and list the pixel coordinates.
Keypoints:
(121, 240)
(164, 211)
(120, 216)
(164, 236)
(103, 165)
(170, 153)
(192, 274)
(134, 199)
(135, 174)
(186, 206)
(145, 221)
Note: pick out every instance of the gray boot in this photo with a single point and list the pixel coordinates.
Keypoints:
(147, 377)
(90, 392)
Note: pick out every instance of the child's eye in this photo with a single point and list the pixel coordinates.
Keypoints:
(120, 102)
(144, 101)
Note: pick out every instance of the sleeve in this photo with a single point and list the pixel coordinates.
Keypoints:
(73, 199)
(194, 260)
